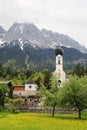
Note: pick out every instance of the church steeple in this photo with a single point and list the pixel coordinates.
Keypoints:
(59, 50)
(60, 74)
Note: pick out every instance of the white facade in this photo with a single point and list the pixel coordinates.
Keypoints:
(25, 93)
(31, 87)
(59, 73)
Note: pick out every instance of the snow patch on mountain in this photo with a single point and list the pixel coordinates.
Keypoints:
(1, 41)
(24, 42)
(21, 43)
(34, 43)
(21, 29)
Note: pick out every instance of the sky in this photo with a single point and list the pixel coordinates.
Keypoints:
(67, 17)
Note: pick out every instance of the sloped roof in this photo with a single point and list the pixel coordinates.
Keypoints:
(30, 82)
(18, 85)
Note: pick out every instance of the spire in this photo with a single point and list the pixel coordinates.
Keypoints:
(59, 50)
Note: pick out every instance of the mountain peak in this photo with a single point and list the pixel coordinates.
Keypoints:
(15, 27)
(41, 38)
(21, 26)
(1, 29)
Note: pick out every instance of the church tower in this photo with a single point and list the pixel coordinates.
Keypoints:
(59, 73)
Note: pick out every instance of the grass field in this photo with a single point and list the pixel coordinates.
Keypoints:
(35, 121)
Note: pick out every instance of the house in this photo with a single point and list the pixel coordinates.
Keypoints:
(27, 90)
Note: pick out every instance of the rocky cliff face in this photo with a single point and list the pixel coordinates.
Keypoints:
(30, 34)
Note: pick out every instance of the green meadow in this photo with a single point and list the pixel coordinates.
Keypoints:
(37, 121)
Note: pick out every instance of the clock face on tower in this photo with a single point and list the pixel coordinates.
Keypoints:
(59, 74)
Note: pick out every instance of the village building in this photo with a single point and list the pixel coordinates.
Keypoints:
(27, 90)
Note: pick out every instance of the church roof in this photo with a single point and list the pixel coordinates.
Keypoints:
(59, 50)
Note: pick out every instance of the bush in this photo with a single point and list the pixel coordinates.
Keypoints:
(16, 111)
(14, 104)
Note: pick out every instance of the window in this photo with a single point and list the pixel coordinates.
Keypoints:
(58, 61)
(30, 86)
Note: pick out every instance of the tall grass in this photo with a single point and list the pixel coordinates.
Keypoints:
(35, 121)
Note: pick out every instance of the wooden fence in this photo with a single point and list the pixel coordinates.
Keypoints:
(39, 110)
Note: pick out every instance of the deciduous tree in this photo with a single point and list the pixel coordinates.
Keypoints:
(3, 91)
(74, 94)
(51, 95)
